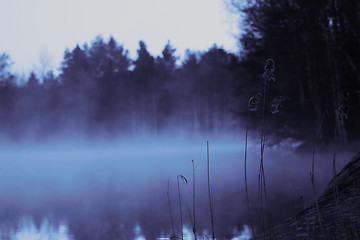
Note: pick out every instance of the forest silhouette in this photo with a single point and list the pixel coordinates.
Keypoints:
(99, 89)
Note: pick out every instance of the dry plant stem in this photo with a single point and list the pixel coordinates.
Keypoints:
(261, 168)
(334, 152)
(260, 202)
(312, 176)
(209, 189)
(171, 216)
(266, 199)
(307, 225)
(334, 175)
(317, 205)
(246, 188)
(261, 176)
(181, 220)
(191, 220)
(262, 192)
(194, 226)
(336, 192)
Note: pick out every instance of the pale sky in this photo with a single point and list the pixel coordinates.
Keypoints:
(34, 28)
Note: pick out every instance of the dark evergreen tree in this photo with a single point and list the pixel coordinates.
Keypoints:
(109, 64)
(215, 89)
(33, 81)
(190, 91)
(5, 64)
(8, 95)
(143, 77)
(165, 89)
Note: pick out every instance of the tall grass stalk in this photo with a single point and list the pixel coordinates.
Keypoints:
(262, 186)
(268, 77)
(312, 176)
(339, 219)
(181, 218)
(209, 189)
(245, 168)
(171, 215)
(265, 195)
(191, 219)
(334, 151)
(194, 207)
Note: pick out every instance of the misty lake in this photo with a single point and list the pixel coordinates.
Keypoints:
(118, 189)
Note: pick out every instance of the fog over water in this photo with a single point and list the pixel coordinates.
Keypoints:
(104, 189)
(96, 148)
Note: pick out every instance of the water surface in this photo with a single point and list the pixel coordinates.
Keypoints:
(118, 189)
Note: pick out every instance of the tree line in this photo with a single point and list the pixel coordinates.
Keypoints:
(101, 90)
(315, 89)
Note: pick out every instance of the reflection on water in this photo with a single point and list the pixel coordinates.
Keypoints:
(117, 190)
(28, 231)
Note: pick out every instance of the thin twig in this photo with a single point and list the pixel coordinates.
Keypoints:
(246, 187)
(209, 189)
(194, 226)
(191, 220)
(171, 216)
(181, 219)
(312, 176)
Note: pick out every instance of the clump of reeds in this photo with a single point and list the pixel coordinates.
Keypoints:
(253, 106)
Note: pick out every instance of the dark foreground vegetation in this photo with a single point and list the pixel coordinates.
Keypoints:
(338, 216)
